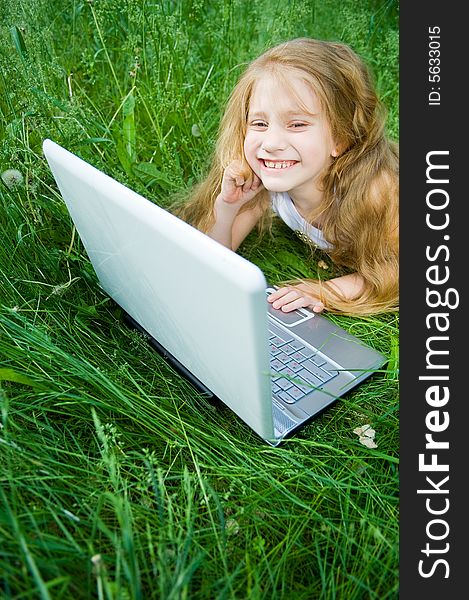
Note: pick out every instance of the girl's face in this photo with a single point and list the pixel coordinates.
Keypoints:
(286, 147)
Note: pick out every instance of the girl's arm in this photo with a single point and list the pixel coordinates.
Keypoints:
(232, 225)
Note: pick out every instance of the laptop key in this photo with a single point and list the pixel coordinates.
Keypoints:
(277, 342)
(307, 352)
(286, 371)
(296, 356)
(306, 388)
(276, 365)
(310, 378)
(296, 345)
(295, 393)
(317, 360)
(283, 383)
(319, 373)
(332, 373)
(295, 366)
(275, 388)
(285, 397)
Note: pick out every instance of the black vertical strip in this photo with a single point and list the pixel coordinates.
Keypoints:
(434, 330)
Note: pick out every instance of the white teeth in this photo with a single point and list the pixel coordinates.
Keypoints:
(278, 164)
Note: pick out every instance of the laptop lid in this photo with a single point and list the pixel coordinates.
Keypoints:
(202, 302)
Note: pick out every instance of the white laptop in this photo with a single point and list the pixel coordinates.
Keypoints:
(204, 307)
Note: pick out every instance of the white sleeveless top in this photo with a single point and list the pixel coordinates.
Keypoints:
(283, 207)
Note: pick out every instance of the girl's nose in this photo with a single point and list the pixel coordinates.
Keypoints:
(273, 139)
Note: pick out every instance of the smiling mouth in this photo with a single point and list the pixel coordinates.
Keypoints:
(277, 164)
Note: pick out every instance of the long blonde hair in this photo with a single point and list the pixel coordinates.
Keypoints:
(359, 209)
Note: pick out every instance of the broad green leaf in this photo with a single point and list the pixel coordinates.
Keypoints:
(18, 40)
(150, 173)
(15, 377)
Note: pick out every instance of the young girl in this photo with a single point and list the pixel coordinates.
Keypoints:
(303, 134)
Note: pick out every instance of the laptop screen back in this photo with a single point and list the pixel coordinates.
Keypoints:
(204, 303)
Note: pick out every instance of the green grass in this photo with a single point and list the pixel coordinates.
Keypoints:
(117, 479)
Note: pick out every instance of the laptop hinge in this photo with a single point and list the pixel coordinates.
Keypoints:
(177, 366)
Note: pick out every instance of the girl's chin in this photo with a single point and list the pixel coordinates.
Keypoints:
(271, 184)
(275, 186)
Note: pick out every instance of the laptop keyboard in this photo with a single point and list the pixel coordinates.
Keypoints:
(297, 369)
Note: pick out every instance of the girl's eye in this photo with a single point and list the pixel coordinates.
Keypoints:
(298, 125)
(259, 124)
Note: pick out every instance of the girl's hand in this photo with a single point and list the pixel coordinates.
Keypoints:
(239, 185)
(293, 297)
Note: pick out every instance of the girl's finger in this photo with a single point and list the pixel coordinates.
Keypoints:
(256, 182)
(298, 303)
(238, 172)
(247, 185)
(277, 294)
(286, 299)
